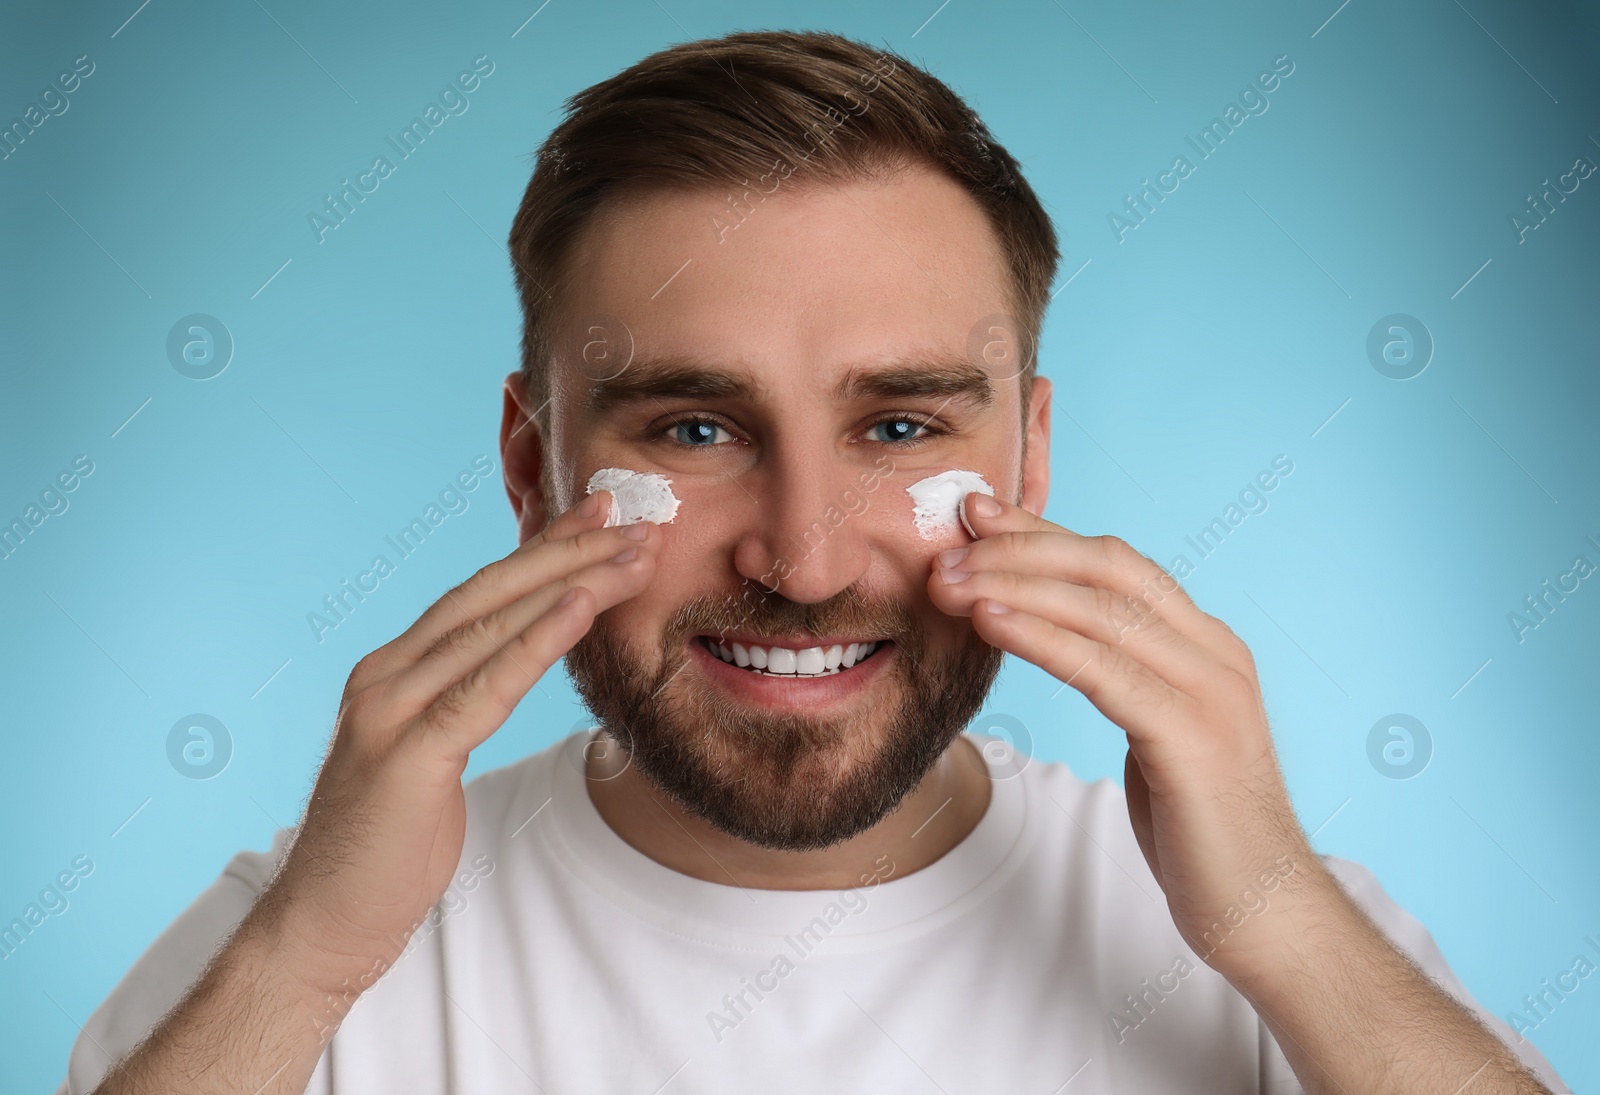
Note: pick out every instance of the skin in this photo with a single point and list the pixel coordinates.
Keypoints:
(797, 296)
(814, 280)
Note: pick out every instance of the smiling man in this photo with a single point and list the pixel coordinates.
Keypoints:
(795, 278)
(784, 753)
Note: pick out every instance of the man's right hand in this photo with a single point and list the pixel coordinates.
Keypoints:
(385, 825)
(383, 831)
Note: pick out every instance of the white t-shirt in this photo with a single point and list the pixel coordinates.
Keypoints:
(1037, 955)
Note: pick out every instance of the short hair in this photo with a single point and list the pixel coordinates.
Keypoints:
(727, 111)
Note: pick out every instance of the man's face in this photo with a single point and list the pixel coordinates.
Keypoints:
(794, 528)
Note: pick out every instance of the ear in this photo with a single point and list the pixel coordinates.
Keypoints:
(521, 461)
(1036, 465)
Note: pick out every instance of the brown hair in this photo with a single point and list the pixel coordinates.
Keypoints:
(716, 111)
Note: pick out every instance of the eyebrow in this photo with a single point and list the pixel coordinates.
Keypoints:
(952, 378)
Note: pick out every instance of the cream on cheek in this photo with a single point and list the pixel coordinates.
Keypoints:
(635, 496)
(937, 500)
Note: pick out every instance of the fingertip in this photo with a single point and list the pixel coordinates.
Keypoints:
(582, 598)
(961, 511)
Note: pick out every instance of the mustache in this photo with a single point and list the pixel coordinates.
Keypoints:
(753, 608)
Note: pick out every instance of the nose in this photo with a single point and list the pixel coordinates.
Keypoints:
(808, 541)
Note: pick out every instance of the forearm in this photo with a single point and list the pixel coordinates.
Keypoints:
(1353, 1014)
(246, 1026)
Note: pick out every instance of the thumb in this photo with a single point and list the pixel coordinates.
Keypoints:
(1138, 795)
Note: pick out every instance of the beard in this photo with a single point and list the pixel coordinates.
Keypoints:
(784, 780)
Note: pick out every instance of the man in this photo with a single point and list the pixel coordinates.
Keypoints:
(797, 279)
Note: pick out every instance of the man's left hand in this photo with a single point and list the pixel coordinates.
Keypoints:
(1205, 795)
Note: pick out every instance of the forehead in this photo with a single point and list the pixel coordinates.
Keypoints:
(798, 284)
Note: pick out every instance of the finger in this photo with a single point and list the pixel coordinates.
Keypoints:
(460, 649)
(1091, 611)
(478, 704)
(1124, 690)
(1089, 560)
(574, 539)
(1017, 540)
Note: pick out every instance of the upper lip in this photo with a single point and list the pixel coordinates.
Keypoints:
(801, 642)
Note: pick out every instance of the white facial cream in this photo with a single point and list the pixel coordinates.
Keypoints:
(938, 501)
(635, 496)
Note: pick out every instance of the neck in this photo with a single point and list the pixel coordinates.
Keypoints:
(936, 816)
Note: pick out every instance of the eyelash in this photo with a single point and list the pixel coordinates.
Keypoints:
(930, 431)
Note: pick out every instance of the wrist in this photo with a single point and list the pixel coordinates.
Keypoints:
(284, 943)
(1284, 932)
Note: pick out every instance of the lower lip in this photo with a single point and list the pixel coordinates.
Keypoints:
(767, 690)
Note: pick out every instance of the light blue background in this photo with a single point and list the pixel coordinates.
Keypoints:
(1225, 331)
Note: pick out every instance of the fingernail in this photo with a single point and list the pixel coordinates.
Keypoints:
(589, 506)
(951, 577)
(983, 505)
(626, 555)
(996, 607)
(636, 531)
(952, 557)
(566, 598)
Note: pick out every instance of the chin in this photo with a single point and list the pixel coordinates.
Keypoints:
(800, 753)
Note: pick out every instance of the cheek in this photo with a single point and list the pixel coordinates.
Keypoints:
(640, 622)
(691, 563)
(936, 502)
(635, 496)
(712, 513)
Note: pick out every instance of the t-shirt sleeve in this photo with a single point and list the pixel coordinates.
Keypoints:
(162, 975)
(1408, 934)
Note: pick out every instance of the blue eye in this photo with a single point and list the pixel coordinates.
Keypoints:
(900, 429)
(696, 433)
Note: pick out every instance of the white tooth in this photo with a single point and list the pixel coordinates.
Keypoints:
(810, 661)
(715, 649)
(758, 657)
(851, 653)
(834, 655)
(867, 648)
(741, 656)
(780, 659)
